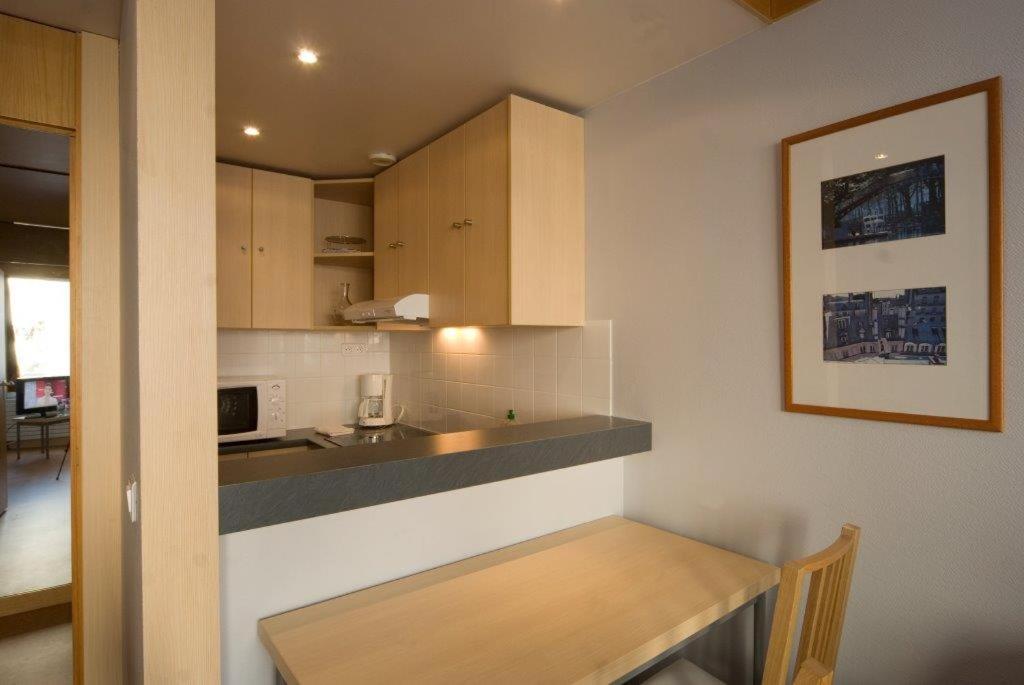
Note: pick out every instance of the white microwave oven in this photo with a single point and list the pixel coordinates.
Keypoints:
(251, 409)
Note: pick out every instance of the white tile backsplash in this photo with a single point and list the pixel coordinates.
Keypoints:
(597, 340)
(570, 342)
(545, 342)
(545, 406)
(323, 383)
(597, 378)
(570, 376)
(545, 370)
(470, 378)
(522, 376)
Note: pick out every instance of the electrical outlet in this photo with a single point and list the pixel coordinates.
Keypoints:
(353, 348)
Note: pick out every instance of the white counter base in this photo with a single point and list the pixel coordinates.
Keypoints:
(265, 571)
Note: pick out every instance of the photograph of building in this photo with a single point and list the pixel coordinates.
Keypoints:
(894, 203)
(886, 327)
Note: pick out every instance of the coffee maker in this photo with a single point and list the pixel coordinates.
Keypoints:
(375, 407)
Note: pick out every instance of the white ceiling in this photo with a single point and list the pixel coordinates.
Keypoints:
(394, 74)
(102, 17)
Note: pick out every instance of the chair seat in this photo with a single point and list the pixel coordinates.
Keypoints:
(683, 672)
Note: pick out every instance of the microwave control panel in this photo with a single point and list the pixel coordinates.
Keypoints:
(276, 401)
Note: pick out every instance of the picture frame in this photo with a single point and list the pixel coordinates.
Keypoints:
(892, 263)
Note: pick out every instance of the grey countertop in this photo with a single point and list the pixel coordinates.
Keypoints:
(302, 437)
(267, 490)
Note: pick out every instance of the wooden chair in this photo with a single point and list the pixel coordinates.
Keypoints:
(831, 570)
(812, 672)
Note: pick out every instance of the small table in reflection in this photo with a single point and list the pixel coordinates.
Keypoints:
(43, 423)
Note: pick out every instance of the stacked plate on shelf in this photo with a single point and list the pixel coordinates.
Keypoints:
(341, 244)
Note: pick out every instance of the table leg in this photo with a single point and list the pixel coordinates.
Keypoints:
(63, 460)
(760, 635)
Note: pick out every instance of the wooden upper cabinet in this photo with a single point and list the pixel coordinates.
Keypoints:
(385, 233)
(282, 258)
(38, 73)
(234, 246)
(504, 220)
(413, 222)
(447, 214)
(486, 224)
(522, 241)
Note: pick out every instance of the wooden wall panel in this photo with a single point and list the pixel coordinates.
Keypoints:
(773, 10)
(172, 603)
(781, 8)
(38, 73)
(96, 430)
(762, 8)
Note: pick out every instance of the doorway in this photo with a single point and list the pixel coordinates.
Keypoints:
(35, 374)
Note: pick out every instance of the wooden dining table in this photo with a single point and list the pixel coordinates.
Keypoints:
(603, 602)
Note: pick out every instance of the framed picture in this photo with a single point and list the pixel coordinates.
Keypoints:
(892, 263)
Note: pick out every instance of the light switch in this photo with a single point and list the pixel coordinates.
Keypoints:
(131, 493)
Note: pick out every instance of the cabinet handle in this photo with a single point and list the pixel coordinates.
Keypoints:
(261, 248)
(457, 224)
(468, 222)
(400, 244)
(392, 245)
(244, 249)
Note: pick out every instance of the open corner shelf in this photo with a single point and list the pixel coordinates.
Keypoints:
(357, 191)
(345, 327)
(356, 260)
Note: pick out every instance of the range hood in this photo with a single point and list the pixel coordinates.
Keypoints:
(407, 309)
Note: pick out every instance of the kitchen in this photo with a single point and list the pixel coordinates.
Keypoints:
(552, 341)
(452, 354)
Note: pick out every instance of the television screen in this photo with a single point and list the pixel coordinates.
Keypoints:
(42, 395)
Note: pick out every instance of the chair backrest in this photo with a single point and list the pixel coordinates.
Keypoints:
(812, 672)
(830, 571)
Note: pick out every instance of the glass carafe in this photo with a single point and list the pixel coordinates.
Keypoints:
(343, 303)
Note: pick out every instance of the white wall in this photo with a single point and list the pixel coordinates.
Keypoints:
(269, 570)
(683, 186)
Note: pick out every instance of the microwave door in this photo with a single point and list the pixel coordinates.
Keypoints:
(238, 410)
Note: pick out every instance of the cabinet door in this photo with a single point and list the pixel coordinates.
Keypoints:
(413, 220)
(487, 239)
(282, 231)
(385, 232)
(446, 161)
(234, 246)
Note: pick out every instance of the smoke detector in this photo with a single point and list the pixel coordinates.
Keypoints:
(382, 158)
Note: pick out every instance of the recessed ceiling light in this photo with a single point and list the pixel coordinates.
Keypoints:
(881, 155)
(251, 131)
(307, 56)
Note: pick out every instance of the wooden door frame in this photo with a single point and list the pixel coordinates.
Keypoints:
(59, 594)
(95, 589)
